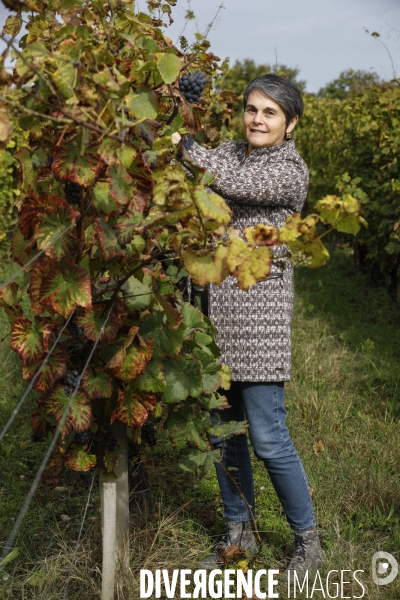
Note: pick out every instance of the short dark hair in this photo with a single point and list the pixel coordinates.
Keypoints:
(283, 91)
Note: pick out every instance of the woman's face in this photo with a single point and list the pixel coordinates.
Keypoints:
(265, 122)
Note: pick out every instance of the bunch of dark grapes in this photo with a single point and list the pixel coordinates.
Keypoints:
(76, 330)
(73, 193)
(149, 434)
(109, 441)
(70, 381)
(192, 86)
(82, 438)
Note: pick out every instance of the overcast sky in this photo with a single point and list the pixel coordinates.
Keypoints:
(321, 37)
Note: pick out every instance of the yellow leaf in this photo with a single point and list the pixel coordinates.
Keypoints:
(239, 251)
(212, 206)
(255, 268)
(312, 254)
(261, 235)
(205, 266)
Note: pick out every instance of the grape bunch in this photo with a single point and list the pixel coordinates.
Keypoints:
(110, 443)
(73, 193)
(192, 86)
(149, 434)
(76, 330)
(70, 381)
(83, 437)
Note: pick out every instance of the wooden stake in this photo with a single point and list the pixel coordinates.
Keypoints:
(114, 503)
(108, 499)
(122, 518)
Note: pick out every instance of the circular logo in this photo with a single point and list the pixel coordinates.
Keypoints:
(381, 561)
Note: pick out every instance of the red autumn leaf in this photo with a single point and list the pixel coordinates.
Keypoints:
(133, 407)
(66, 286)
(27, 340)
(97, 384)
(130, 361)
(79, 414)
(80, 460)
(55, 369)
(108, 241)
(70, 165)
(93, 320)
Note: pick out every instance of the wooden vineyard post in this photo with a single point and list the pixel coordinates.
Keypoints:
(114, 502)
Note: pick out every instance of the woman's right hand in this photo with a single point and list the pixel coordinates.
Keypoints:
(176, 138)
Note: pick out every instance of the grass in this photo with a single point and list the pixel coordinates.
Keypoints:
(344, 408)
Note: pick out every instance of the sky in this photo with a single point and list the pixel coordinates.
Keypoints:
(320, 37)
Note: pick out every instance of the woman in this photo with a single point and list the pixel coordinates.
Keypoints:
(263, 180)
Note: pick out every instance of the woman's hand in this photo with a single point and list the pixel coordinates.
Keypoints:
(176, 138)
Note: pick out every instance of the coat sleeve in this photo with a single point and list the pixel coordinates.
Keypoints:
(271, 181)
(282, 183)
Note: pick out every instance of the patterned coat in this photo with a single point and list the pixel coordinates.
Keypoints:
(263, 187)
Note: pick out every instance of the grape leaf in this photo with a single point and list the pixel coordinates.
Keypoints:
(131, 359)
(191, 459)
(173, 316)
(79, 414)
(9, 300)
(227, 430)
(167, 342)
(312, 254)
(133, 407)
(66, 286)
(183, 377)
(80, 460)
(69, 164)
(207, 266)
(250, 265)
(55, 369)
(212, 206)
(102, 199)
(120, 185)
(192, 316)
(97, 384)
(53, 223)
(126, 225)
(261, 235)
(21, 249)
(144, 103)
(27, 340)
(169, 66)
(107, 239)
(12, 25)
(342, 214)
(93, 320)
(153, 379)
(188, 426)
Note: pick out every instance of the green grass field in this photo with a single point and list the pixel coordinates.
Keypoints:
(344, 409)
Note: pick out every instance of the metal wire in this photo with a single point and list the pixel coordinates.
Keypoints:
(50, 449)
(78, 540)
(33, 381)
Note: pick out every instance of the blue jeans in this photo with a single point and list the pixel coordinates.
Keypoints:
(263, 406)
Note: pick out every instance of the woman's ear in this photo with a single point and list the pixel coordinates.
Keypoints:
(292, 124)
